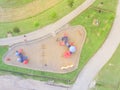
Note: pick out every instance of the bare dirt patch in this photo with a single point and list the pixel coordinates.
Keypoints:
(47, 54)
(26, 11)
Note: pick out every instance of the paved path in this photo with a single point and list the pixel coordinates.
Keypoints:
(16, 83)
(48, 29)
(101, 57)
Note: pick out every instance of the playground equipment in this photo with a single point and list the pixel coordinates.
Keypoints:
(7, 59)
(66, 67)
(21, 58)
(70, 46)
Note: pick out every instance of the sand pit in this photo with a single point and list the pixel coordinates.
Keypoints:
(47, 54)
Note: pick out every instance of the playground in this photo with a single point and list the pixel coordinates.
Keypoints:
(51, 53)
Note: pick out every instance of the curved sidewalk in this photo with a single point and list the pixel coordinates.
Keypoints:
(50, 28)
(101, 57)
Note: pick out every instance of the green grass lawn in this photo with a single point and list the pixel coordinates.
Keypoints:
(96, 35)
(31, 24)
(109, 77)
(13, 3)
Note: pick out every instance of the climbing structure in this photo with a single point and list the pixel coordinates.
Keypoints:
(21, 58)
(71, 48)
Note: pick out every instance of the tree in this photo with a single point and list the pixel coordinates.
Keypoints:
(99, 11)
(16, 30)
(53, 15)
(71, 3)
(36, 23)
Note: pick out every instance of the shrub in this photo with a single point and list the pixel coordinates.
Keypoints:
(16, 30)
(70, 3)
(53, 15)
(36, 24)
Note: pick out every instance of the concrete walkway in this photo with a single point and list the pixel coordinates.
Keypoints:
(16, 83)
(48, 29)
(101, 57)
